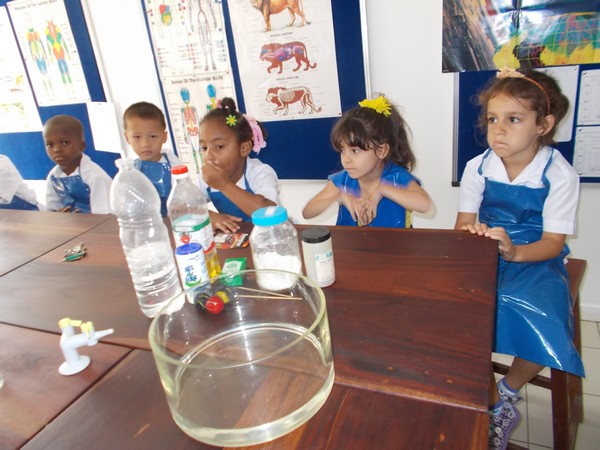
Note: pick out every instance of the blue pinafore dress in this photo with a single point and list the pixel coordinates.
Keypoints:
(19, 203)
(159, 173)
(226, 206)
(534, 317)
(73, 192)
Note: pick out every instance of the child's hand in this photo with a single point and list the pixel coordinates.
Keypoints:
(505, 245)
(214, 175)
(475, 228)
(225, 222)
(358, 207)
(67, 209)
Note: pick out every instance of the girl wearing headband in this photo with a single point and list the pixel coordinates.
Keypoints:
(522, 193)
(376, 187)
(236, 184)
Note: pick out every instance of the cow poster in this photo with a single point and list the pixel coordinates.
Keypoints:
(286, 58)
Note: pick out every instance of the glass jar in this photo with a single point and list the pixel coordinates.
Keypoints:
(274, 245)
(318, 255)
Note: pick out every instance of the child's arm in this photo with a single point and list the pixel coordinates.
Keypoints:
(320, 202)
(412, 197)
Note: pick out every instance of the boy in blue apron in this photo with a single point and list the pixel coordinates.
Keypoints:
(14, 193)
(236, 184)
(525, 194)
(376, 187)
(76, 184)
(146, 132)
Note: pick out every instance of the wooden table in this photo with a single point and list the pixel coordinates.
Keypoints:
(411, 317)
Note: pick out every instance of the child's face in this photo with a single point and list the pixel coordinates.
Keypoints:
(219, 145)
(64, 146)
(361, 163)
(512, 129)
(146, 137)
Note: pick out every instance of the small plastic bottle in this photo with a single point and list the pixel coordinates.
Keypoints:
(190, 221)
(274, 245)
(145, 240)
(318, 255)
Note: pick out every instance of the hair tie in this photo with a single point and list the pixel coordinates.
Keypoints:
(257, 134)
(508, 72)
(380, 104)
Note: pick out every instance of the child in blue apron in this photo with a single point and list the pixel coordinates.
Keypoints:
(525, 194)
(14, 193)
(376, 187)
(235, 183)
(146, 132)
(76, 184)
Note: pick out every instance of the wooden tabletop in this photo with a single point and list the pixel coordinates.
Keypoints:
(411, 316)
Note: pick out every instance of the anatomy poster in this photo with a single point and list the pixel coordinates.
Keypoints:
(48, 48)
(489, 35)
(286, 57)
(192, 56)
(18, 112)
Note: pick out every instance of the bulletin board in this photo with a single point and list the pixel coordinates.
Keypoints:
(301, 149)
(27, 150)
(470, 141)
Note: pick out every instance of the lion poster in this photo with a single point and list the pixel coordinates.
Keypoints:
(286, 58)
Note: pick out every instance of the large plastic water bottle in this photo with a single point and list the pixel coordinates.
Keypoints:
(190, 221)
(145, 240)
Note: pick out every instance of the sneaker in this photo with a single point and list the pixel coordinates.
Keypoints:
(506, 394)
(501, 426)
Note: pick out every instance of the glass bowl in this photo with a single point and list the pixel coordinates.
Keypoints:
(244, 365)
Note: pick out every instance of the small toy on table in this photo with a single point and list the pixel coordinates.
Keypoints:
(69, 342)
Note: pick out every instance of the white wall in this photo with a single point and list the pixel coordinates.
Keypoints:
(405, 57)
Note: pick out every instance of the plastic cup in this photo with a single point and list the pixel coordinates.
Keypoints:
(252, 371)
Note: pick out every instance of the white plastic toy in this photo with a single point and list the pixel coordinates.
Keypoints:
(70, 342)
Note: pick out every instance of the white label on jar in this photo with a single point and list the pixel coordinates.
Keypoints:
(192, 228)
(324, 267)
(192, 268)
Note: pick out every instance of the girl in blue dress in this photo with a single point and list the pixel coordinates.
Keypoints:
(525, 194)
(376, 187)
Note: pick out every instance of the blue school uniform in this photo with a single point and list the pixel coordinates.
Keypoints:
(534, 317)
(72, 191)
(159, 173)
(389, 213)
(19, 203)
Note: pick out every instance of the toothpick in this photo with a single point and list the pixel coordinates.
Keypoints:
(263, 292)
(285, 297)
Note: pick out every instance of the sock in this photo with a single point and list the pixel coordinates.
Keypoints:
(506, 390)
(494, 410)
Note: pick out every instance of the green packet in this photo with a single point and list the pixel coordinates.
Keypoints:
(232, 266)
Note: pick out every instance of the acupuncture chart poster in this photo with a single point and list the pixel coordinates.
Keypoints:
(49, 50)
(18, 112)
(192, 56)
(288, 67)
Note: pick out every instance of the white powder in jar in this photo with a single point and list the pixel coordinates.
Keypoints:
(275, 281)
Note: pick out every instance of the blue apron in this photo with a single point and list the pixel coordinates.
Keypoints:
(226, 206)
(159, 173)
(534, 317)
(73, 192)
(19, 203)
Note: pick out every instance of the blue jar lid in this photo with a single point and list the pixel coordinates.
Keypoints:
(188, 249)
(271, 215)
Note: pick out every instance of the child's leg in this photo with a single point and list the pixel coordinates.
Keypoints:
(521, 372)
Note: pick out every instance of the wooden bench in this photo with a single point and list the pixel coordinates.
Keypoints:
(566, 389)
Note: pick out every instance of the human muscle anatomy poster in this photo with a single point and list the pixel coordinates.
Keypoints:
(286, 57)
(192, 56)
(48, 47)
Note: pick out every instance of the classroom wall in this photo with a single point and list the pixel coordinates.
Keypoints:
(405, 58)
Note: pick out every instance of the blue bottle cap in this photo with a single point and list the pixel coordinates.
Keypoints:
(271, 215)
(188, 249)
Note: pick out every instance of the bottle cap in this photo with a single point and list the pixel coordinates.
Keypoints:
(179, 170)
(271, 215)
(188, 249)
(314, 235)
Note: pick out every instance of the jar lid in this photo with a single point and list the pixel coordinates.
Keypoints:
(179, 170)
(314, 235)
(188, 249)
(271, 215)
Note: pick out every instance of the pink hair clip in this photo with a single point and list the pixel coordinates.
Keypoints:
(257, 134)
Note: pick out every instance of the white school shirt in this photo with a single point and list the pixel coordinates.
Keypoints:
(11, 183)
(93, 175)
(261, 178)
(560, 207)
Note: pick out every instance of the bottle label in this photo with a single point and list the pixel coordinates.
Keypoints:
(324, 267)
(191, 264)
(187, 231)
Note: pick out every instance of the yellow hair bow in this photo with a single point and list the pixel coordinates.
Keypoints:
(380, 104)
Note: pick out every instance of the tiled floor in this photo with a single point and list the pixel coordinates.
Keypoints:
(535, 429)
